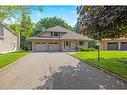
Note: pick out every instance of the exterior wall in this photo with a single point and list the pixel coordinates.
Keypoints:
(85, 44)
(74, 44)
(72, 47)
(103, 45)
(7, 42)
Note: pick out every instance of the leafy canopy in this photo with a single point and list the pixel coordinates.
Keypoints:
(106, 21)
(46, 23)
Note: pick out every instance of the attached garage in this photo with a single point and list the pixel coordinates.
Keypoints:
(112, 46)
(49, 46)
(54, 46)
(41, 47)
(123, 45)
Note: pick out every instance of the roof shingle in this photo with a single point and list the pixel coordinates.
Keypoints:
(56, 29)
(69, 35)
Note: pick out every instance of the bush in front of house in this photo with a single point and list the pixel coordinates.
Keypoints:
(87, 49)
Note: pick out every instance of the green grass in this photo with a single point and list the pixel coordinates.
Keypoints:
(8, 58)
(113, 61)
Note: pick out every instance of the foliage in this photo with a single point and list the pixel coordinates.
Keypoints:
(14, 12)
(24, 26)
(8, 58)
(112, 61)
(107, 22)
(16, 28)
(8, 12)
(91, 44)
(87, 49)
(48, 23)
(26, 30)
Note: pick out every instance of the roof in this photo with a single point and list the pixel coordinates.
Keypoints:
(9, 29)
(69, 35)
(74, 35)
(118, 39)
(57, 29)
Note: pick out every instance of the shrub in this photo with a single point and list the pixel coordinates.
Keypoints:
(92, 44)
(87, 49)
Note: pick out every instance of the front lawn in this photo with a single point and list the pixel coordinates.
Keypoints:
(113, 61)
(8, 58)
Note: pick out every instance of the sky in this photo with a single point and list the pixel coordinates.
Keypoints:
(67, 13)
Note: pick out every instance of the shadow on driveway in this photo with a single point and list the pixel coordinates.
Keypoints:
(83, 76)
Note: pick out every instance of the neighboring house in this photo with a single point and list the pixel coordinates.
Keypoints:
(58, 39)
(117, 44)
(8, 39)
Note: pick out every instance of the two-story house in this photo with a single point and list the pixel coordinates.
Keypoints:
(58, 39)
(8, 39)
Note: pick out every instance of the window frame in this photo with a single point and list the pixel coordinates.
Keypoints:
(81, 43)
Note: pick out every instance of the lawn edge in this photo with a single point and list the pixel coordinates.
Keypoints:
(11, 64)
(106, 71)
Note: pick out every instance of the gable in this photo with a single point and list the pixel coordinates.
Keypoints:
(65, 34)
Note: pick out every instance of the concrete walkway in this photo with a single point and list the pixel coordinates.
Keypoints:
(56, 70)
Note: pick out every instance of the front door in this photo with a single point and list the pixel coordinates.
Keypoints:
(67, 44)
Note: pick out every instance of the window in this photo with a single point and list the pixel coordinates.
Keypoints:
(43, 43)
(38, 43)
(80, 43)
(67, 43)
(55, 34)
(51, 34)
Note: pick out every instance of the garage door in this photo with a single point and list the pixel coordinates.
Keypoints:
(41, 47)
(112, 46)
(123, 45)
(54, 47)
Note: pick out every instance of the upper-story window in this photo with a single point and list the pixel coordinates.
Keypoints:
(55, 34)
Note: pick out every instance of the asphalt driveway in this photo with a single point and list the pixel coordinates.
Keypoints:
(56, 70)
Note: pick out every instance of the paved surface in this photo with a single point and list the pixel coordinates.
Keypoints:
(56, 71)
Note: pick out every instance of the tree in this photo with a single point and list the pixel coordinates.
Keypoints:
(92, 44)
(16, 27)
(50, 22)
(24, 25)
(26, 29)
(106, 22)
(8, 12)
(110, 22)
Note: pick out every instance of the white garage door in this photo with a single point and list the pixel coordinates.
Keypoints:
(53, 46)
(41, 47)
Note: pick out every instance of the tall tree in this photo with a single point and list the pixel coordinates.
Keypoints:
(24, 24)
(26, 29)
(8, 12)
(108, 22)
(50, 22)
